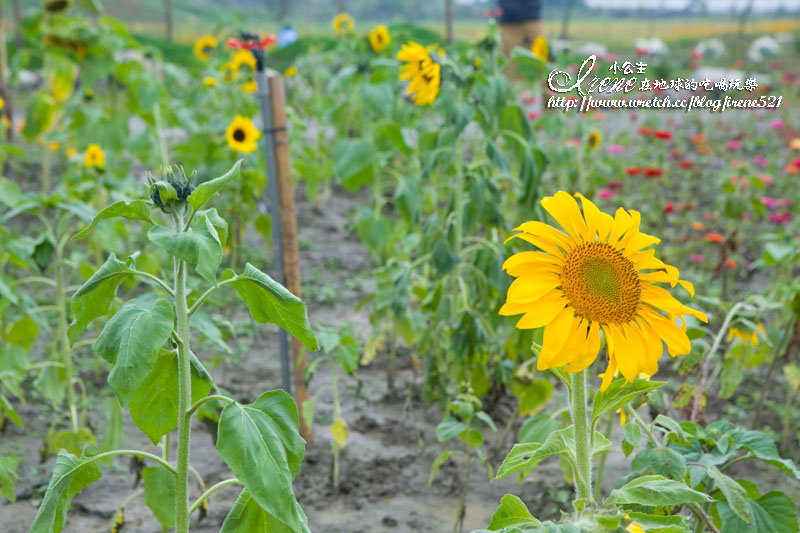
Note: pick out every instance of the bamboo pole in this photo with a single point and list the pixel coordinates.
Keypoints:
(291, 259)
(448, 16)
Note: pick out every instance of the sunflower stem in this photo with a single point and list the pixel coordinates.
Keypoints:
(583, 444)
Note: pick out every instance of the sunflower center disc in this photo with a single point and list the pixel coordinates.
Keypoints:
(238, 135)
(600, 283)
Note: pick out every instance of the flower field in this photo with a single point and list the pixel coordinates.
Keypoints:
(366, 280)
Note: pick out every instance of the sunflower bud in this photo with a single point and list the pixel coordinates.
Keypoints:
(171, 191)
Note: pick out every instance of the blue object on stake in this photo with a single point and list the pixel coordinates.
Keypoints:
(272, 191)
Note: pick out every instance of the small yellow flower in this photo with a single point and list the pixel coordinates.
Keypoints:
(243, 57)
(71, 152)
(228, 74)
(379, 38)
(6, 122)
(343, 24)
(623, 417)
(290, 72)
(540, 48)
(422, 70)
(250, 86)
(794, 144)
(594, 140)
(2, 103)
(54, 146)
(242, 135)
(204, 45)
(94, 157)
(478, 63)
(750, 338)
(210, 81)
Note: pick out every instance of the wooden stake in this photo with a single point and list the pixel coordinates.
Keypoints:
(291, 259)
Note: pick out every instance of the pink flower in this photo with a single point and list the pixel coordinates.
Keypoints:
(784, 217)
(533, 115)
(668, 208)
(615, 148)
(777, 124)
(697, 258)
(745, 216)
(783, 202)
(766, 180)
(769, 202)
(733, 145)
(605, 193)
(615, 185)
(529, 101)
(760, 160)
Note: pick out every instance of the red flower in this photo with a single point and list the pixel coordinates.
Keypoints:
(713, 236)
(696, 54)
(645, 130)
(653, 172)
(731, 263)
(633, 171)
(615, 185)
(664, 135)
(685, 164)
(669, 208)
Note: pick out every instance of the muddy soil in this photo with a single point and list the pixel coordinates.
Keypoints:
(391, 446)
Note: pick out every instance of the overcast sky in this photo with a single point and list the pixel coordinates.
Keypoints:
(714, 5)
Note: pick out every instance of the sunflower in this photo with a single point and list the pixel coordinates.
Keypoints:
(750, 338)
(591, 277)
(94, 157)
(422, 69)
(71, 152)
(55, 146)
(594, 140)
(250, 86)
(210, 81)
(2, 103)
(343, 24)
(379, 38)
(242, 135)
(204, 45)
(540, 48)
(242, 57)
(290, 72)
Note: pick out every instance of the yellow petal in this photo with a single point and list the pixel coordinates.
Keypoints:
(564, 209)
(611, 370)
(532, 288)
(588, 352)
(674, 336)
(596, 221)
(660, 298)
(542, 312)
(556, 334)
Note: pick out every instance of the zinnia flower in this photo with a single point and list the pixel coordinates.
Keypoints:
(713, 236)
(645, 130)
(733, 145)
(632, 171)
(203, 46)
(423, 71)
(540, 48)
(698, 138)
(748, 338)
(615, 149)
(597, 274)
(94, 157)
(379, 38)
(343, 24)
(242, 135)
(653, 172)
(664, 135)
(777, 124)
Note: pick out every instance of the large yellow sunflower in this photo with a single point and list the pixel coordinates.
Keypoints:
(423, 71)
(242, 135)
(597, 274)
(94, 157)
(379, 38)
(343, 24)
(540, 48)
(203, 46)
(747, 337)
